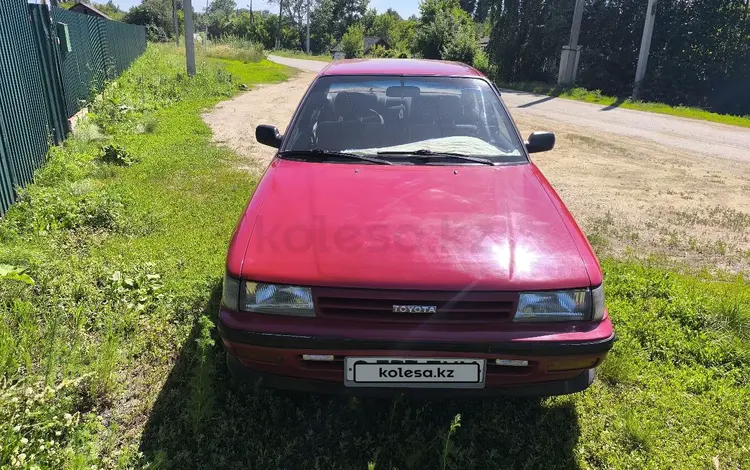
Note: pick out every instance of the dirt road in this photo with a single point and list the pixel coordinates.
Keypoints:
(638, 183)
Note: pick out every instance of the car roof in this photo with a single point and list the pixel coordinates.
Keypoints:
(406, 67)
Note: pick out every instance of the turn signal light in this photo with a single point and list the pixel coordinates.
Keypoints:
(259, 356)
(572, 364)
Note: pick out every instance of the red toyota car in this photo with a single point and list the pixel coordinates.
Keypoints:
(402, 239)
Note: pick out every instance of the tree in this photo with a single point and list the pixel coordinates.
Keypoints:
(353, 42)
(109, 9)
(368, 20)
(345, 14)
(445, 28)
(482, 10)
(404, 38)
(321, 34)
(218, 16)
(252, 28)
(296, 10)
(462, 47)
(289, 33)
(330, 20)
(700, 53)
(223, 8)
(383, 26)
(468, 6)
(155, 15)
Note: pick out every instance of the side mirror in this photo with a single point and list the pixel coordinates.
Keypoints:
(268, 135)
(540, 142)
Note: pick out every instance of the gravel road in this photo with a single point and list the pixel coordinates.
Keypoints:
(302, 64)
(638, 183)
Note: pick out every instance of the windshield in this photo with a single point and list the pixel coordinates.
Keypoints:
(393, 116)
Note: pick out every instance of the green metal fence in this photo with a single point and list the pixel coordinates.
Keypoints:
(51, 64)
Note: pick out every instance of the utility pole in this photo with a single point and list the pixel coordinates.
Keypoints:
(278, 33)
(572, 52)
(648, 31)
(308, 27)
(187, 8)
(175, 23)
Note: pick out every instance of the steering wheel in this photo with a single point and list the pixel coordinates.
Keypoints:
(374, 116)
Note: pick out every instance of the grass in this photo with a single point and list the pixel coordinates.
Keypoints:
(295, 54)
(263, 71)
(231, 48)
(596, 97)
(109, 355)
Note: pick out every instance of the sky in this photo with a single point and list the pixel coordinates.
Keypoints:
(405, 8)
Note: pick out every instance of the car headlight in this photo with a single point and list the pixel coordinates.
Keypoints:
(230, 296)
(277, 299)
(564, 305)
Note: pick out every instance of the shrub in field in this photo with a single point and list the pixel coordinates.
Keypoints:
(462, 47)
(353, 42)
(378, 52)
(38, 431)
(482, 62)
(234, 48)
(116, 155)
(45, 210)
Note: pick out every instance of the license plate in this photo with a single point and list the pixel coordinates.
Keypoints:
(414, 373)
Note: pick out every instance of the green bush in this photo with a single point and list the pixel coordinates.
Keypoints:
(447, 32)
(234, 48)
(353, 42)
(116, 155)
(482, 62)
(78, 206)
(380, 52)
(156, 34)
(462, 46)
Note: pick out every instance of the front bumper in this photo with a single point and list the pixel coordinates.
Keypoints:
(575, 384)
(554, 367)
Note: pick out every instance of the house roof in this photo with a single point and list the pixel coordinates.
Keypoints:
(87, 9)
(374, 41)
(404, 67)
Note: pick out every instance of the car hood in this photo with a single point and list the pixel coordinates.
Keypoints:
(409, 227)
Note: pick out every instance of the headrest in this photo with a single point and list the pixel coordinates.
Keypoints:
(354, 104)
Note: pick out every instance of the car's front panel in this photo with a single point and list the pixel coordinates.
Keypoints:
(402, 326)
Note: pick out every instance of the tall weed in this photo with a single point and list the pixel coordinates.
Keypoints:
(233, 48)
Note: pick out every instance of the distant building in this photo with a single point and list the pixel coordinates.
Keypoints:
(484, 42)
(86, 9)
(338, 52)
(370, 42)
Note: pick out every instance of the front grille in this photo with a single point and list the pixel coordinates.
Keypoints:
(377, 305)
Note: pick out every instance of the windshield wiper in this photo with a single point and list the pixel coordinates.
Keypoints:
(330, 153)
(429, 153)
